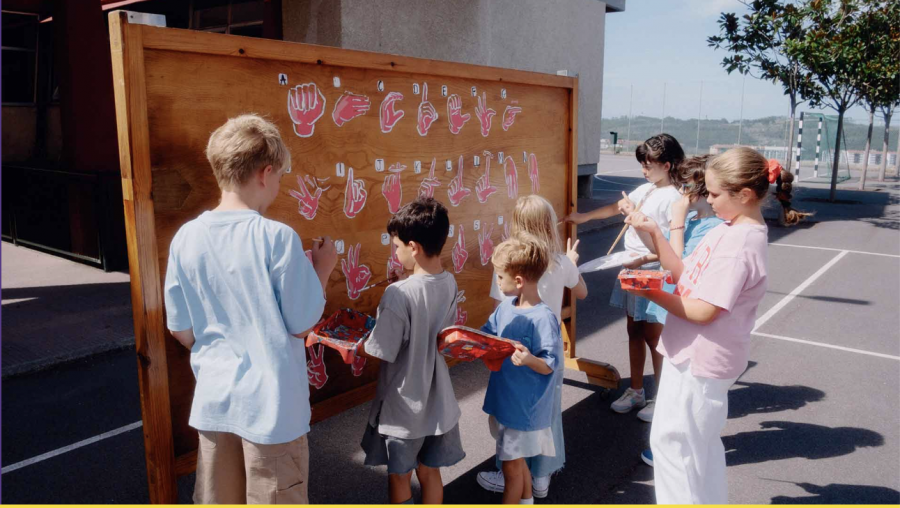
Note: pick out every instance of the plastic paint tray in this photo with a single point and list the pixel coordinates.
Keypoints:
(467, 344)
(644, 280)
(342, 331)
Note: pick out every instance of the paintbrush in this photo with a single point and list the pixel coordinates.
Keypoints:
(626, 226)
(370, 286)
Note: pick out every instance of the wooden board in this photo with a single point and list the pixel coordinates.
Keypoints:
(174, 87)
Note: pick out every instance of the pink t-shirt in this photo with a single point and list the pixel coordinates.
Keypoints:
(728, 270)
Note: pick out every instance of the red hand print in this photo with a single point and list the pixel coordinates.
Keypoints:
(394, 267)
(349, 106)
(427, 113)
(486, 244)
(483, 187)
(388, 116)
(512, 178)
(509, 116)
(533, 174)
(454, 113)
(426, 188)
(315, 366)
(357, 364)
(357, 275)
(484, 114)
(459, 253)
(306, 105)
(391, 189)
(505, 234)
(457, 192)
(354, 195)
(309, 203)
(461, 315)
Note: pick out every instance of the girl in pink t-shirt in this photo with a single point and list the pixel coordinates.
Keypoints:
(706, 340)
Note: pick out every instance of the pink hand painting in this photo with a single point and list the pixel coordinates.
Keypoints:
(309, 203)
(394, 267)
(484, 114)
(457, 192)
(509, 116)
(512, 178)
(357, 275)
(349, 106)
(357, 364)
(533, 174)
(427, 113)
(354, 195)
(315, 366)
(306, 105)
(461, 315)
(391, 189)
(388, 116)
(486, 244)
(459, 253)
(505, 235)
(454, 113)
(426, 188)
(483, 187)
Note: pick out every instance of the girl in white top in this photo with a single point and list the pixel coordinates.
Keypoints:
(535, 215)
(659, 157)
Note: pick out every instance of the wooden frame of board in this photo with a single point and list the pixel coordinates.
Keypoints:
(170, 92)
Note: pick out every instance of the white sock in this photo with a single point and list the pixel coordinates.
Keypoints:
(530, 500)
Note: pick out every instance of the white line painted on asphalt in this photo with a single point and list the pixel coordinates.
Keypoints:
(830, 346)
(799, 289)
(635, 170)
(836, 250)
(615, 183)
(66, 449)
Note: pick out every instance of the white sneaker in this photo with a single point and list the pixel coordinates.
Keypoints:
(540, 486)
(646, 414)
(493, 481)
(629, 400)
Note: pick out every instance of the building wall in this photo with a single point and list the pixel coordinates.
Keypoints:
(19, 133)
(533, 35)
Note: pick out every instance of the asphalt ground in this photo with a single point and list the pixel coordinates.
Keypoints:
(814, 419)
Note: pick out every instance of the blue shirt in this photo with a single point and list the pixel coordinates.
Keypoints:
(519, 397)
(694, 231)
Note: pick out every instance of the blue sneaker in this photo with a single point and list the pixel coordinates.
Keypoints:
(647, 457)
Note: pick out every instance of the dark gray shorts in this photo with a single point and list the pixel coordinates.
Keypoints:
(403, 455)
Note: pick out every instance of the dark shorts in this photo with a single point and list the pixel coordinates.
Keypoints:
(403, 455)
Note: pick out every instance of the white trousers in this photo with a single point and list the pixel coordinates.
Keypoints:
(685, 437)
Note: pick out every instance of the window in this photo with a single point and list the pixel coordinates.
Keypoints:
(19, 46)
(236, 17)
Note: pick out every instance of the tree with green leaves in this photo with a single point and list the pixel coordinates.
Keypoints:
(892, 92)
(755, 43)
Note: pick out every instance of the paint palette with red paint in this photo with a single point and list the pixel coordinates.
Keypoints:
(644, 280)
(468, 344)
(342, 331)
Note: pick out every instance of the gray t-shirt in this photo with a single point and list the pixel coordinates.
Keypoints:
(415, 397)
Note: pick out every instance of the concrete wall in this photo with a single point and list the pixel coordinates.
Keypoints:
(533, 35)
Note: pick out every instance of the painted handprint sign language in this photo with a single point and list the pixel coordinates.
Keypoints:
(357, 364)
(349, 106)
(505, 235)
(394, 267)
(315, 366)
(459, 253)
(486, 244)
(457, 191)
(391, 189)
(426, 188)
(388, 116)
(483, 187)
(512, 178)
(454, 113)
(306, 105)
(354, 195)
(484, 114)
(357, 275)
(533, 174)
(309, 203)
(509, 116)
(461, 315)
(427, 113)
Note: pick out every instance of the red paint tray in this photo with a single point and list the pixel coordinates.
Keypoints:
(342, 331)
(644, 280)
(467, 344)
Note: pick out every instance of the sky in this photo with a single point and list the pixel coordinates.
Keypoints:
(657, 44)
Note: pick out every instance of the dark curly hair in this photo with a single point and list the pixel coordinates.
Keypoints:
(662, 148)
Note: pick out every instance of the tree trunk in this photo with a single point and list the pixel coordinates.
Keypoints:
(862, 178)
(884, 147)
(790, 146)
(837, 152)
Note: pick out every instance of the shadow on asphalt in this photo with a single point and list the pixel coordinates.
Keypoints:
(779, 440)
(836, 493)
(759, 398)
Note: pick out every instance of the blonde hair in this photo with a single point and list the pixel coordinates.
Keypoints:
(741, 168)
(242, 146)
(522, 254)
(535, 215)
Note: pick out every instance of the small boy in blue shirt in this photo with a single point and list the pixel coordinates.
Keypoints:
(519, 397)
(239, 294)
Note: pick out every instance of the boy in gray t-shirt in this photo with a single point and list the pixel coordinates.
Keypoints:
(414, 417)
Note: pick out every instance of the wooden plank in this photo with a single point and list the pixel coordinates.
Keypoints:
(598, 373)
(572, 206)
(130, 93)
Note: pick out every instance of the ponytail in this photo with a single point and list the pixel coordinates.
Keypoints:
(783, 187)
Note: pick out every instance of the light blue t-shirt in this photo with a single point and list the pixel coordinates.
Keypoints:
(694, 231)
(519, 397)
(242, 283)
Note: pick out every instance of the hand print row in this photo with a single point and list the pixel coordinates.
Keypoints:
(307, 104)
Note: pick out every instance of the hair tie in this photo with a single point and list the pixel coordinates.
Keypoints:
(774, 170)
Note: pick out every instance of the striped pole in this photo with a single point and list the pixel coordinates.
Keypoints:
(818, 144)
(799, 147)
